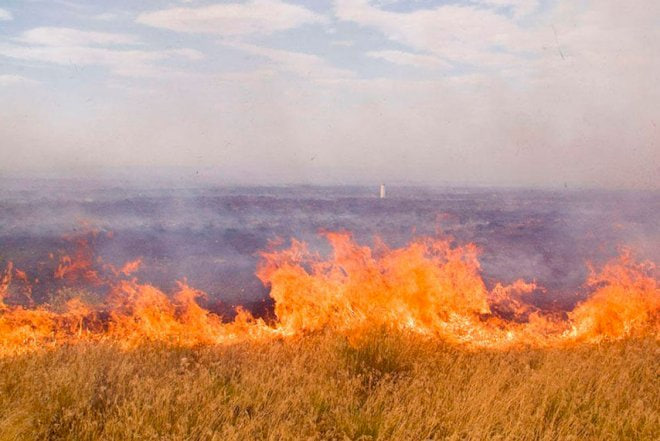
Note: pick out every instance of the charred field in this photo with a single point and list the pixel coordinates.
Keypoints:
(326, 313)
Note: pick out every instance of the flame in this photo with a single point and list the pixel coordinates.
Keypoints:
(80, 266)
(433, 288)
(624, 300)
(5, 281)
(130, 267)
(429, 287)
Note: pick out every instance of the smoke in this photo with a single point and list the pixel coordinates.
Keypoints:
(211, 236)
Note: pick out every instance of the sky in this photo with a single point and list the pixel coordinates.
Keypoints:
(524, 93)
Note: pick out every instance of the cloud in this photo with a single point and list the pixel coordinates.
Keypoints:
(105, 16)
(66, 46)
(342, 43)
(465, 34)
(9, 80)
(233, 19)
(301, 64)
(519, 8)
(5, 15)
(409, 59)
(55, 36)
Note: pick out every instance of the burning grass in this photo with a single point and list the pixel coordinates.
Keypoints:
(385, 385)
(429, 287)
(378, 343)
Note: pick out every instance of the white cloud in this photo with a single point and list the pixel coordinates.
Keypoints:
(105, 16)
(233, 19)
(5, 15)
(55, 36)
(301, 64)
(520, 8)
(342, 43)
(9, 80)
(409, 59)
(122, 62)
(466, 34)
(66, 46)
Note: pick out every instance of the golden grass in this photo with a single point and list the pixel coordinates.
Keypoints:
(390, 387)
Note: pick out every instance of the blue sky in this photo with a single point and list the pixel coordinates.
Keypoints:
(496, 92)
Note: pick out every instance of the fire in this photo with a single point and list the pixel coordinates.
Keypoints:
(429, 287)
(130, 267)
(433, 288)
(624, 300)
(80, 266)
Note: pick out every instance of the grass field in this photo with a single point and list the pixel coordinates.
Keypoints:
(385, 386)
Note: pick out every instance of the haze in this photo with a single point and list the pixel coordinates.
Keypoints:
(530, 93)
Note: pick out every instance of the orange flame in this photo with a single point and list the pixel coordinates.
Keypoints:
(625, 300)
(5, 281)
(80, 267)
(433, 288)
(428, 287)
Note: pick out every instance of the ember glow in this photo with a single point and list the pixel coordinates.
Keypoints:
(430, 287)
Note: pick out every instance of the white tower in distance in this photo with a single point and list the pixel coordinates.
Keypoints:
(382, 191)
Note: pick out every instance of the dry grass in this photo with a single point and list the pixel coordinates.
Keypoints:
(394, 387)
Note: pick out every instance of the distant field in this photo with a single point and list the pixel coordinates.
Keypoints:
(384, 386)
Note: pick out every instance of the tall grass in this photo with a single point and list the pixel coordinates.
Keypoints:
(385, 386)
